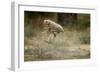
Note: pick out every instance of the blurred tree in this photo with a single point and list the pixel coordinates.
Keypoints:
(67, 19)
(83, 21)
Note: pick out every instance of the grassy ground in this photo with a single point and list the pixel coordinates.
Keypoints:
(71, 44)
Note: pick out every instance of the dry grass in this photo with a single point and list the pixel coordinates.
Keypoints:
(67, 45)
